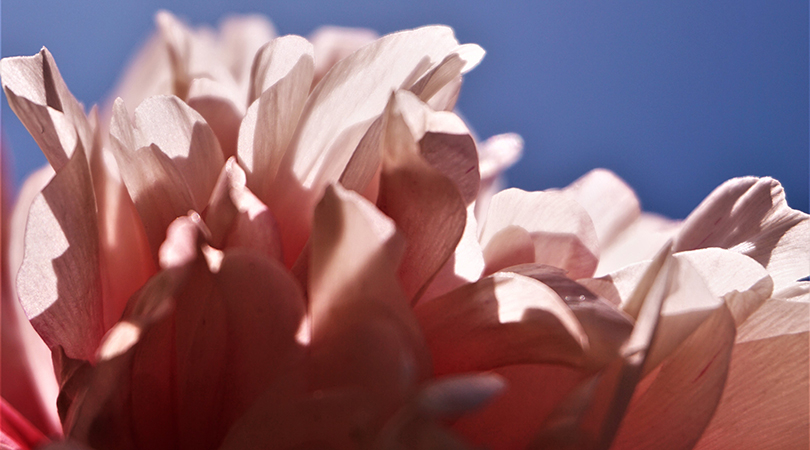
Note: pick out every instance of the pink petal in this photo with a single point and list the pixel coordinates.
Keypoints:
(607, 327)
(237, 219)
(425, 205)
(16, 432)
(440, 86)
(147, 73)
(332, 44)
(280, 78)
(560, 229)
(241, 37)
(638, 242)
(675, 408)
(510, 246)
(28, 380)
(510, 421)
(363, 331)
(750, 215)
(466, 264)
(337, 115)
(221, 107)
(58, 282)
(609, 201)
(501, 320)
(159, 188)
(42, 101)
(765, 402)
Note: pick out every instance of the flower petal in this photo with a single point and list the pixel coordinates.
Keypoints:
(222, 107)
(561, 231)
(332, 44)
(501, 320)
(765, 402)
(237, 219)
(29, 382)
(676, 407)
(58, 282)
(609, 201)
(363, 331)
(39, 96)
(280, 78)
(638, 242)
(338, 113)
(425, 205)
(751, 216)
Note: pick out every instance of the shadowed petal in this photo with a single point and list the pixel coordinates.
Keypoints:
(425, 205)
(363, 331)
(58, 282)
(501, 320)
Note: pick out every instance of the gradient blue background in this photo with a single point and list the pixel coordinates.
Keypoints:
(675, 96)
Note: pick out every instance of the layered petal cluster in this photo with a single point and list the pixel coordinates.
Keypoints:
(274, 242)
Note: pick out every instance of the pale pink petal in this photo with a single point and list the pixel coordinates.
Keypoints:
(765, 402)
(280, 80)
(28, 380)
(510, 246)
(276, 60)
(241, 36)
(338, 113)
(222, 107)
(447, 74)
(590, 415)
(58, 282)
(237, 219)
(191, 53)
(444, 142)
(466, 264)
(39, 96)
(560, 229)
(750, 215)
(363, 331)
(609, 201)
(426, 206)
(332, 44)
(501, 320)
(638, 242)
(147, 73)
(495, 155)
(676, 407)
(125, 258)
(184, 136)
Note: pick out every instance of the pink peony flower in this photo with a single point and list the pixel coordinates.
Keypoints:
(268, 242)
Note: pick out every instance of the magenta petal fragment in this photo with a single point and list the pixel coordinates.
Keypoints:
(751, 216)
(58, 283)
(560, 229)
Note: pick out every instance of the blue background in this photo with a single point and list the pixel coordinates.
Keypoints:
(675, 96)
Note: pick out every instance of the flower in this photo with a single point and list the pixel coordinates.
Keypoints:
(291, 244)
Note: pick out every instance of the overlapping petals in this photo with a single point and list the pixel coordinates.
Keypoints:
(272, 242)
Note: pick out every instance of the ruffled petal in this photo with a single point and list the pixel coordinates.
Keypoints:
(338, 113)
(751, 216)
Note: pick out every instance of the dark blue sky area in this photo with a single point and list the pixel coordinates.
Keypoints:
(675, 96)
